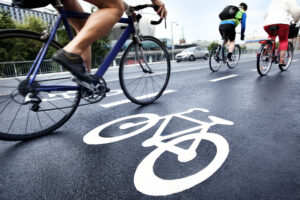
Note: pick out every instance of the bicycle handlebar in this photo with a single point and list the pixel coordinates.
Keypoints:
(140, 7)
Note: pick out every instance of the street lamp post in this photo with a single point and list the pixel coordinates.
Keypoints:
(173, 38)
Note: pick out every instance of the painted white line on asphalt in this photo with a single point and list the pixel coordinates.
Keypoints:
(109, 105)
(295, 60)
(254, 70)
(176, 71)
(224, 78)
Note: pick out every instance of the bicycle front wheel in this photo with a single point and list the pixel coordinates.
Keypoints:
(288, 58)
(22, 119)
(236, 55)
(264, 59)
(145, 70)
(215, 59)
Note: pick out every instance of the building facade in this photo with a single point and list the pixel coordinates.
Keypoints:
(20, 14)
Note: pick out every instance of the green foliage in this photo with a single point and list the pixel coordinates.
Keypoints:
(5, 21)
(33, 23)
(23, 49)
(212, 45)
(99, 50)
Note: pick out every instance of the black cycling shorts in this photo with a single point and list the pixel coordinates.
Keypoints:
(227, 31)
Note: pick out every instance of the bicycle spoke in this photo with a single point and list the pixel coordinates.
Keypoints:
(134, 81)
(143, 89)
(19, 119)
(12, 87)
(27, 119)
(155, 82)
(14, 118)
(37, 115)
(152, 84)
(5, 106)
(49, 116)
(54, 105)
(153, 58)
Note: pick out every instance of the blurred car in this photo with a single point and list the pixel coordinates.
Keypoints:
(192, 54)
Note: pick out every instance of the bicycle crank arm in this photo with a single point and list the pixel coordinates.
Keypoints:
(84, 84)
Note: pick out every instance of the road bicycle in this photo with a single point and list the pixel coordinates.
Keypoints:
(145, 180)
(218, 56)
(25, 109)
(269, 54)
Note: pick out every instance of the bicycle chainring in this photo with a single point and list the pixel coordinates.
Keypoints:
(98, 94)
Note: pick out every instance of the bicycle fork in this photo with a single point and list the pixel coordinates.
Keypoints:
(139, 44)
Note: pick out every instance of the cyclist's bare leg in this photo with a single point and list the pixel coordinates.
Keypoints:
(97, 25)
(282, 55)
(77, 25)
(230, 45)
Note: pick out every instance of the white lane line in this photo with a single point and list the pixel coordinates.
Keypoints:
(109, 105)
(223, 78)
(295, 60)
(254, 70)
(175, 71)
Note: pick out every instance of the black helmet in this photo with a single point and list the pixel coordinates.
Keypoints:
(245, 7)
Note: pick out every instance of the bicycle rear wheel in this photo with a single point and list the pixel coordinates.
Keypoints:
(236, 55)
(215, 58)
(288, 58)
(264, 59)
(20, 119)
(145, 70)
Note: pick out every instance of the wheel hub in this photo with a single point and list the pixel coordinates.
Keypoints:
(24, 88)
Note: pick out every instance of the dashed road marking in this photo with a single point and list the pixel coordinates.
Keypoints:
(224, 78)
(117, 103)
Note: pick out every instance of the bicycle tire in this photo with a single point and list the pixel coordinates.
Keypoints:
(236, 55)
(264, 59)
(289, 58)
(130, 71)
(215, 57)
(18, 120)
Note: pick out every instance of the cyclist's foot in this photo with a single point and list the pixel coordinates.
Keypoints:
(229, 60)
(72, 63)
(282, 63)
(229, 57)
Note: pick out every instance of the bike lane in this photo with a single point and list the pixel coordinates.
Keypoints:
(261, 162)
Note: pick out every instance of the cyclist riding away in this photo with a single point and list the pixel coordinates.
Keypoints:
(277, 17)
(231, 17)
(77, 54)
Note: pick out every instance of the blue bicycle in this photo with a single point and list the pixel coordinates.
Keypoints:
(33, 105)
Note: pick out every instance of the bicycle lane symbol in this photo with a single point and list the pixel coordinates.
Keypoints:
(145, 180)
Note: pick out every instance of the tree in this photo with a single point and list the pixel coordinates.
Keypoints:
(5, 20)
(32, 23)
(27, 49)
(212, 45)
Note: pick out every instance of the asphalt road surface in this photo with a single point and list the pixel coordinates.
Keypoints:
(225, 135)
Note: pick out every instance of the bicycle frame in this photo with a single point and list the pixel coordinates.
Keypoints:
(102, 68)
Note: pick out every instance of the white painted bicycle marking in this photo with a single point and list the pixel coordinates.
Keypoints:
(145, 180)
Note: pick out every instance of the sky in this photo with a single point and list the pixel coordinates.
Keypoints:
(198, 19)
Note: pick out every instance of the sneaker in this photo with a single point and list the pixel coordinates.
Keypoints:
(282, 63)
(229, 57)
(229, 60)
(72, 63)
